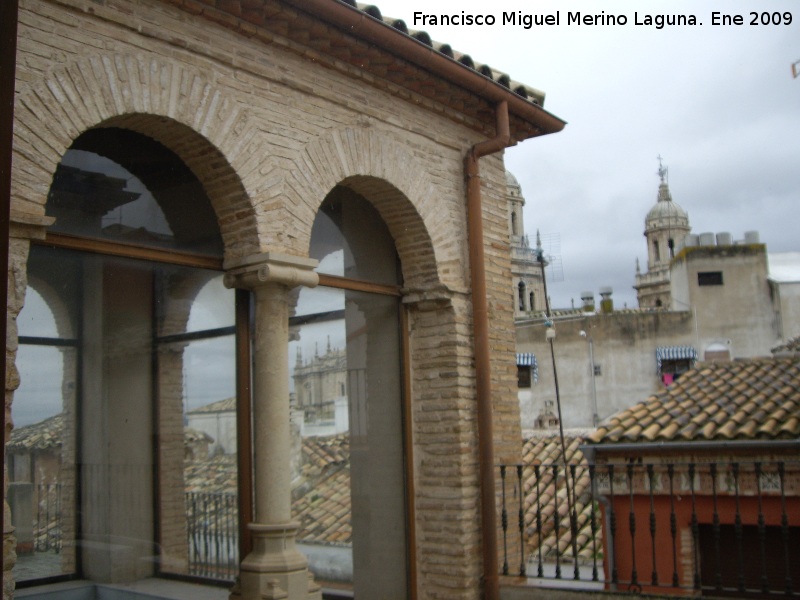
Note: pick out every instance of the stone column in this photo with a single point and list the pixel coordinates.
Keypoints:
(275, 568)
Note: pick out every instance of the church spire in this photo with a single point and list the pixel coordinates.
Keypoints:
(662, 170)
(663, 188)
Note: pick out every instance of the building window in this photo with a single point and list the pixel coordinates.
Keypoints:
(521, 295)
(709, 278)
(671, 246)
(523, 377)
(656, 251)
(527, 370)
(673, 361)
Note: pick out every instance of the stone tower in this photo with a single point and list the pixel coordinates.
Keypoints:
(525, 270)
(664, 228)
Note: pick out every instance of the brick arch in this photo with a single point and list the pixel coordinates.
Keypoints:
(55, 301)
(396, 181)
(178, 106)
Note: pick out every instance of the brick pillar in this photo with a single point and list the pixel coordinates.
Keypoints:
(275, 568)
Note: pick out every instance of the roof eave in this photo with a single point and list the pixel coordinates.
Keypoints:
(356, 22)
(592, 449)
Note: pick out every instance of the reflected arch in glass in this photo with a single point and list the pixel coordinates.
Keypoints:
(346, 368)
(143, 335)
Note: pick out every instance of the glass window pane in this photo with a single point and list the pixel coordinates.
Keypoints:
(192, 300)
(41, 452)
(36, 318)
(197, 410)
(350, 239)
(197, 424)
(41, 462)
(347, 413)
(122, 186)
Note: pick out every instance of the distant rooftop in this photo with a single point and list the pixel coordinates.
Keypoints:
(746, 400)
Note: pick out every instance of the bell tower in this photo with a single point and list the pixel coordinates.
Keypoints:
(665, 227)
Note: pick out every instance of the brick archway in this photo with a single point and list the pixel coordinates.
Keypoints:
(398, 184)
(177, 106)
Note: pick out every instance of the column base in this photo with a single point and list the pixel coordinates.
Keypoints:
(275, 569)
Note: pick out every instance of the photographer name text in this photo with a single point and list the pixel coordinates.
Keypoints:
(602, 19)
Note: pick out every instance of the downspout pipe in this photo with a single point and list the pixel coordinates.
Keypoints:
(480, 319)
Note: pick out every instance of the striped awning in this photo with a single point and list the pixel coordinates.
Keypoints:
(528, 359)
(674, 353)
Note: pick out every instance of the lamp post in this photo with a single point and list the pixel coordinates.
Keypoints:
(595, 416)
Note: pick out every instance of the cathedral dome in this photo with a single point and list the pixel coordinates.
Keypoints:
(665, 208)
(514, 189)
(665, 211)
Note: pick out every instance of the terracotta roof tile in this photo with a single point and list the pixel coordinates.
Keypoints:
(229, 404)
(43, 435)
(543, 450)
(738, 400)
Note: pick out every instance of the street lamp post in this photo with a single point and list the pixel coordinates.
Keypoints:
(595, 416)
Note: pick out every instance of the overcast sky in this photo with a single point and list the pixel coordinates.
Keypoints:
(718, 103)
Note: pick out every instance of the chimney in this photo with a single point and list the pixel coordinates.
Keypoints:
(588, 301)
(606, 303)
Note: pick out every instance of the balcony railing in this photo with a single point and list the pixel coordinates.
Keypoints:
(213, 535)
(47, 526)
(728, 528)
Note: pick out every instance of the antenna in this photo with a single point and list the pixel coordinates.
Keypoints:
(551, 250)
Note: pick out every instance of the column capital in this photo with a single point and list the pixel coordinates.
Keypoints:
(29, 226)
(256, 270)
(432, 298)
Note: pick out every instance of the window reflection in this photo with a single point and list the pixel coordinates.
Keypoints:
(116, 357)
(41, 453)
(347, 398)
(125, 187)
(347, 415)
(350, 239)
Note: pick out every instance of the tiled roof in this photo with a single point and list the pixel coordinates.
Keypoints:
(322, 503)
(746, 399)
(324, 510)
(544, 451)
(44, 435)
(228, 404)
(216, 474)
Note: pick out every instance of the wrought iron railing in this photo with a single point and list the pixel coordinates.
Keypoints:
(213, 535)
(728, 528)
(47, 526)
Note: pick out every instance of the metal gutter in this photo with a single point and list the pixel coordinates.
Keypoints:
(360, 24)
(480, 319)
(590, 450)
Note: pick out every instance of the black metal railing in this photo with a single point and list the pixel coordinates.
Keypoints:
(729, 528)
(47, 525)
(213, 535)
